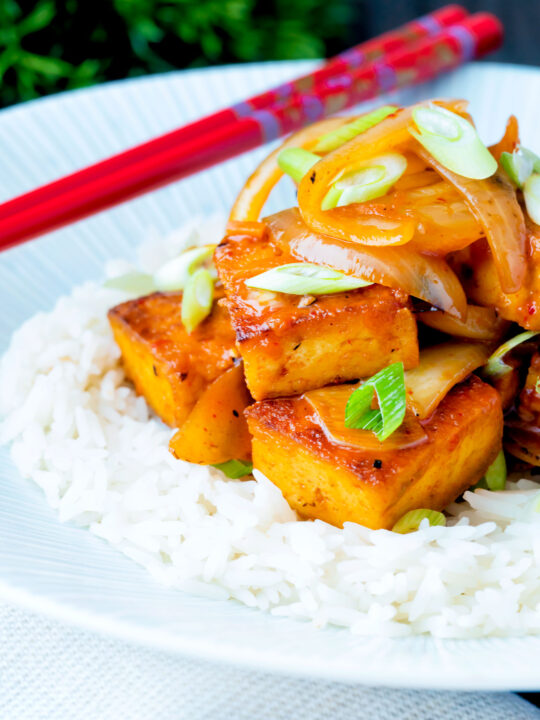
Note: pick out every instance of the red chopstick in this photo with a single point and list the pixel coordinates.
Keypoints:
(354, 57)
(351, 59)
(166, 158)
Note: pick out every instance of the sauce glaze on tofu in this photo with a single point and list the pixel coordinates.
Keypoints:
(375, 486)
(291, 344)
(167, 365)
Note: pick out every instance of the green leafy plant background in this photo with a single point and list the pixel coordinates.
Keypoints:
(47, 46)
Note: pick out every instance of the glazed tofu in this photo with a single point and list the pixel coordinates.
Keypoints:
(292, 343)
(370, 484)
(170, 367)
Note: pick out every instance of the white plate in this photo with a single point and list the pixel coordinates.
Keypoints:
(65, 572)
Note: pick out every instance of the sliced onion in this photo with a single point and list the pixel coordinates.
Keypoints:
(482, 323)
(329, 404)
(386, 136)
(426, 277)
(494, 204)
(418, 180)
(441, 367)
(355, 226)
(446, 223)
(251, 199)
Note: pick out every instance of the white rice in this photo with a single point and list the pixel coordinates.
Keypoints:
(79, 431)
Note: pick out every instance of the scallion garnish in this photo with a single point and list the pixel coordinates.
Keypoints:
(389, 387)
(296, 162)
(372, 179)
(496, 473)
(336, 138)
(518, 165)
(235, 469)
(531, 192)
(495, 366)
(453, 141)
(174, 274)
(197, 298)
(135, 283)
(305, 279)
(411, 520)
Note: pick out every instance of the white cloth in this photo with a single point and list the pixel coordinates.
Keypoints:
(49, 671)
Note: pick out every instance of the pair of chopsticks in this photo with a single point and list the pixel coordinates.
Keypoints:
(414, 53)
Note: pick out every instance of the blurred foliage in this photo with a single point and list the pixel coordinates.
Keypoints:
(52, 45)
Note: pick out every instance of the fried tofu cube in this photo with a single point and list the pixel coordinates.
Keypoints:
(375, 486)
(167, 365)
(292, 343)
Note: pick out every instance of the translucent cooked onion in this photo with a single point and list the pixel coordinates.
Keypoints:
(360, 225)
(426, 277)
(482, 323)
(445, 222)
(494, 204)
(329, 406)
(440, 368)
(251, 199)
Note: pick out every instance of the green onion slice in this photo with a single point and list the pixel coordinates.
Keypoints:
(305, 279)
(496, 473)
(135, 283)
(174, 274)
(389, 387)
(197, 298)
(495, 366)
(411, 520)
(518, 165)
(370, 180)
(531, 192)
(453, 141)
(533, 157)
(296, 162)
(343, 134)
(235, 469)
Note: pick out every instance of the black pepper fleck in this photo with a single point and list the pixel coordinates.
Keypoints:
(235, 413)
(154, 369)
(312, 177)
(377, 464)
